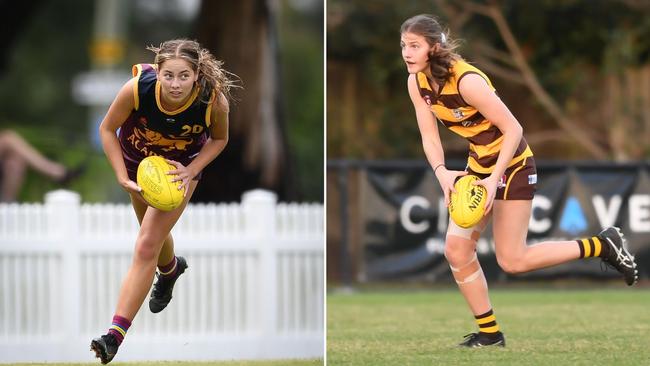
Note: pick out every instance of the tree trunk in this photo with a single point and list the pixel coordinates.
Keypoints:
(626, 112)
(15, 16)
(243, 35)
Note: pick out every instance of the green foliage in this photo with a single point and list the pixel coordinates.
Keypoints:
(570, 45)
(36, 90)
(607, 35)
(366, 35)
(301, 58)
(36, 97)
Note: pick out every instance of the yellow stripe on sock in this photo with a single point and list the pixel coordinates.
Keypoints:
(492, 329)
(597, 246)
(586, 247)
(117, 328)
(487, 319)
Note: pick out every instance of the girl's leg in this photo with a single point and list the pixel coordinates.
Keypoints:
(14, 144)
(168, 265)
(510, 227)
(460, 250)
(154, 230)
(155, 226)
(514, 256)
(14, 169)
(167, 251)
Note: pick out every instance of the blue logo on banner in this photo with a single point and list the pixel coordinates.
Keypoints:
(573, 219)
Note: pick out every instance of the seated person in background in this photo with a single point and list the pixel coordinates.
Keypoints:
(16, 155)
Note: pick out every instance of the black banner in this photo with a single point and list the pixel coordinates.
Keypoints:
(404, 219)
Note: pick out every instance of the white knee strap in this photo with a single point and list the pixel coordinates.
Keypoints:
(471, 233)
(465, 233)
(473, 276)
(457, 269)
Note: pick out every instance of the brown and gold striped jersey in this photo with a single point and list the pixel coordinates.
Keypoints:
(448, 106)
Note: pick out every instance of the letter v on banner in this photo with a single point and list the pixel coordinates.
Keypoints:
(607, 213)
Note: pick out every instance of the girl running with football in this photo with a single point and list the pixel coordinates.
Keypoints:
(176, 108)
(443, 86)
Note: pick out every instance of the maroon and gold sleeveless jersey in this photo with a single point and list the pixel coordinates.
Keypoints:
(448, 106)
(151, 130)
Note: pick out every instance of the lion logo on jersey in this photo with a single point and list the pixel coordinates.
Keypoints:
(168, 143)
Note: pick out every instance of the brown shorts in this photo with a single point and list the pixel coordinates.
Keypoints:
(519, 182)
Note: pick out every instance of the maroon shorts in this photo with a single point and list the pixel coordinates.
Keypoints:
(519, 182)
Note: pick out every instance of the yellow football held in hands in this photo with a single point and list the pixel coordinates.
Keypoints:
(467, 205)
(157, 188)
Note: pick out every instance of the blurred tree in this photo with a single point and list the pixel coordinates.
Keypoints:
(244, 35)
(300, 27)
(39, 63)
(13, 25)
(580, 87)
(39, 60)
(43, 57)
(619, 99)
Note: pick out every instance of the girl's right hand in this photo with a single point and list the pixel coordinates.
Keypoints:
(447, 178)
(130, 186)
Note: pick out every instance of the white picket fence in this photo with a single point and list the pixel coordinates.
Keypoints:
(253, 290)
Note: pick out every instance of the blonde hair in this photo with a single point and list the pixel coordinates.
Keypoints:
(211, 74)
(427, 26)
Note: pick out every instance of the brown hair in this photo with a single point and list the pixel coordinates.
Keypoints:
(427, 26)
(212, 76)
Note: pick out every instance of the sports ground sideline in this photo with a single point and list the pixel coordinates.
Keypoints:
(313, 362)
(543, 326)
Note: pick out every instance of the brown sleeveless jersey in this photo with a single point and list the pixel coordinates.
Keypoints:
(448, 106)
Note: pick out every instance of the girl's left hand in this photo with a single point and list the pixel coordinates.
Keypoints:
(490, 184)
(182, 174)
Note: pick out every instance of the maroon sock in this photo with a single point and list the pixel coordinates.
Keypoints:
(169, 270)
(119, 328)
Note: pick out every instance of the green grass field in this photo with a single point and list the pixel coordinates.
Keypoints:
(542, 327)
(179, 363)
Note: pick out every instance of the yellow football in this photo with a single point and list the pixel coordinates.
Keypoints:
(157, 188)
(467, 205)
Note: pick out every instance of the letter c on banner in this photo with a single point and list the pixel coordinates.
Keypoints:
(540, 226)
(405, 214)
